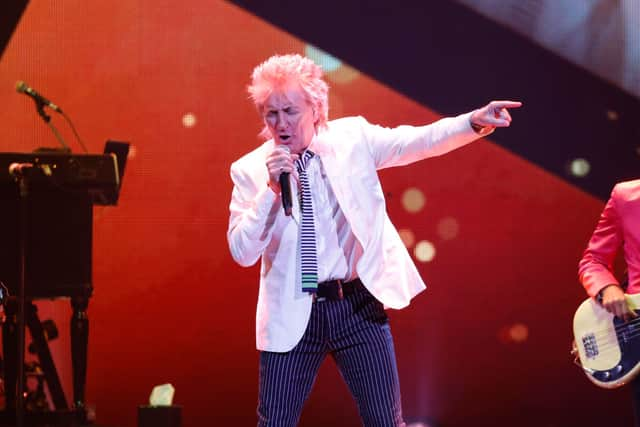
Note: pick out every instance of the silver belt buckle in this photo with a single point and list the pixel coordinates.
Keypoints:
(316, 298)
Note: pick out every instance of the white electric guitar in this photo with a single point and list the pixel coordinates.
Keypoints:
(608, 349)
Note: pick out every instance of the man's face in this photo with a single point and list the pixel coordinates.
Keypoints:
(290, 118)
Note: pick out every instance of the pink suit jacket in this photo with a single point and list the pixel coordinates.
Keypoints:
(618, 227)
(351, 151)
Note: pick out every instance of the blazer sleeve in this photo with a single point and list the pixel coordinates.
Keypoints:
(595, 269)
(406, 144)
(253, 210)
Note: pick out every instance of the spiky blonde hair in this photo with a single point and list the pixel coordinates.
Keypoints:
(280, 71)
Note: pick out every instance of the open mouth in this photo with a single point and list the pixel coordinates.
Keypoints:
(284, 137)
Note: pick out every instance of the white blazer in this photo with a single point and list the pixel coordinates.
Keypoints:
(351, 151)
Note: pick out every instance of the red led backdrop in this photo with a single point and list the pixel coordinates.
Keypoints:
(487, 344)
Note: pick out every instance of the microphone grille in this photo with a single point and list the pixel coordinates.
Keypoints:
(21, 87)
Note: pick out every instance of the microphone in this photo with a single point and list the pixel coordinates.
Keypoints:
(21, 87)
(285, 188)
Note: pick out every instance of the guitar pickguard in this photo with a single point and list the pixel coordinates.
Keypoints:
(628, 336)
(608, 348)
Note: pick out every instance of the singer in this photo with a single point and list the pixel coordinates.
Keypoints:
(330, 267)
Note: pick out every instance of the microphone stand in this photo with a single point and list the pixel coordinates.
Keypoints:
(47, 119)
(19, 175)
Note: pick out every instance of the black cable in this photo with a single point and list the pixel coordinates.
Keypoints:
(73, 128)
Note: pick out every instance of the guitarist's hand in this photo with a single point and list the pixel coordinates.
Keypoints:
(614, 301)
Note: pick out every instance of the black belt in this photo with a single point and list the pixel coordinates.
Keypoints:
(335, 290)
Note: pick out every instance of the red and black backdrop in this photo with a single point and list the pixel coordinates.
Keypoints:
(497, 228)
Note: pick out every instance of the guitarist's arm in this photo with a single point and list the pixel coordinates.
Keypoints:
(596, 266)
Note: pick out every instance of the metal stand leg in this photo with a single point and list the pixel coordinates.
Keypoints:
(79, 343)
(44, 356)
(10, 351)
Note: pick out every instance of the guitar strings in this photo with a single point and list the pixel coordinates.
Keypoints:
(619, 328)
(601, 333)
(606, 342)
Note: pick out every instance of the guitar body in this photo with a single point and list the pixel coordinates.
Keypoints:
(608, 348)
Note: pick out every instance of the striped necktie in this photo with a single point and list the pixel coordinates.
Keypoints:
(308, 256)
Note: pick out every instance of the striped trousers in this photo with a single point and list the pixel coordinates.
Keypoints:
(355, 332)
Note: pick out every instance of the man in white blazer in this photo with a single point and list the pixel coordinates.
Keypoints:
(359, 263)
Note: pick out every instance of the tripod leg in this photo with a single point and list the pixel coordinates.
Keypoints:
(44, 356)
(10, 347)
(79, 343)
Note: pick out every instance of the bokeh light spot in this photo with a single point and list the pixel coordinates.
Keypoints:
(413, 200)
(448, 228)
(612, 115)
(519, 333)
(580, 167)
(189, 120)
(516, 333)
(407, 236)
(424, 251)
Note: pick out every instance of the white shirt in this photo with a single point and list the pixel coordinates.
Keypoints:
(336, 246)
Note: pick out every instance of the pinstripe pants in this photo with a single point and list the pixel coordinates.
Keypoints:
(355, 332)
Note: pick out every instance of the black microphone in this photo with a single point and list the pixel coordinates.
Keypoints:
(21, 87)
(285, 188)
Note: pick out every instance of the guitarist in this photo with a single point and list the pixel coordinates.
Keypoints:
(618, 227)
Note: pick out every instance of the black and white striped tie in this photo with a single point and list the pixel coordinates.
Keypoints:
(308, 255)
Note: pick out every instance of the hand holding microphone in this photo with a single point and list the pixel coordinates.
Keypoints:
(280, 166)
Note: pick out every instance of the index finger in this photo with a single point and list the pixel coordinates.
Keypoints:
(507, 104)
